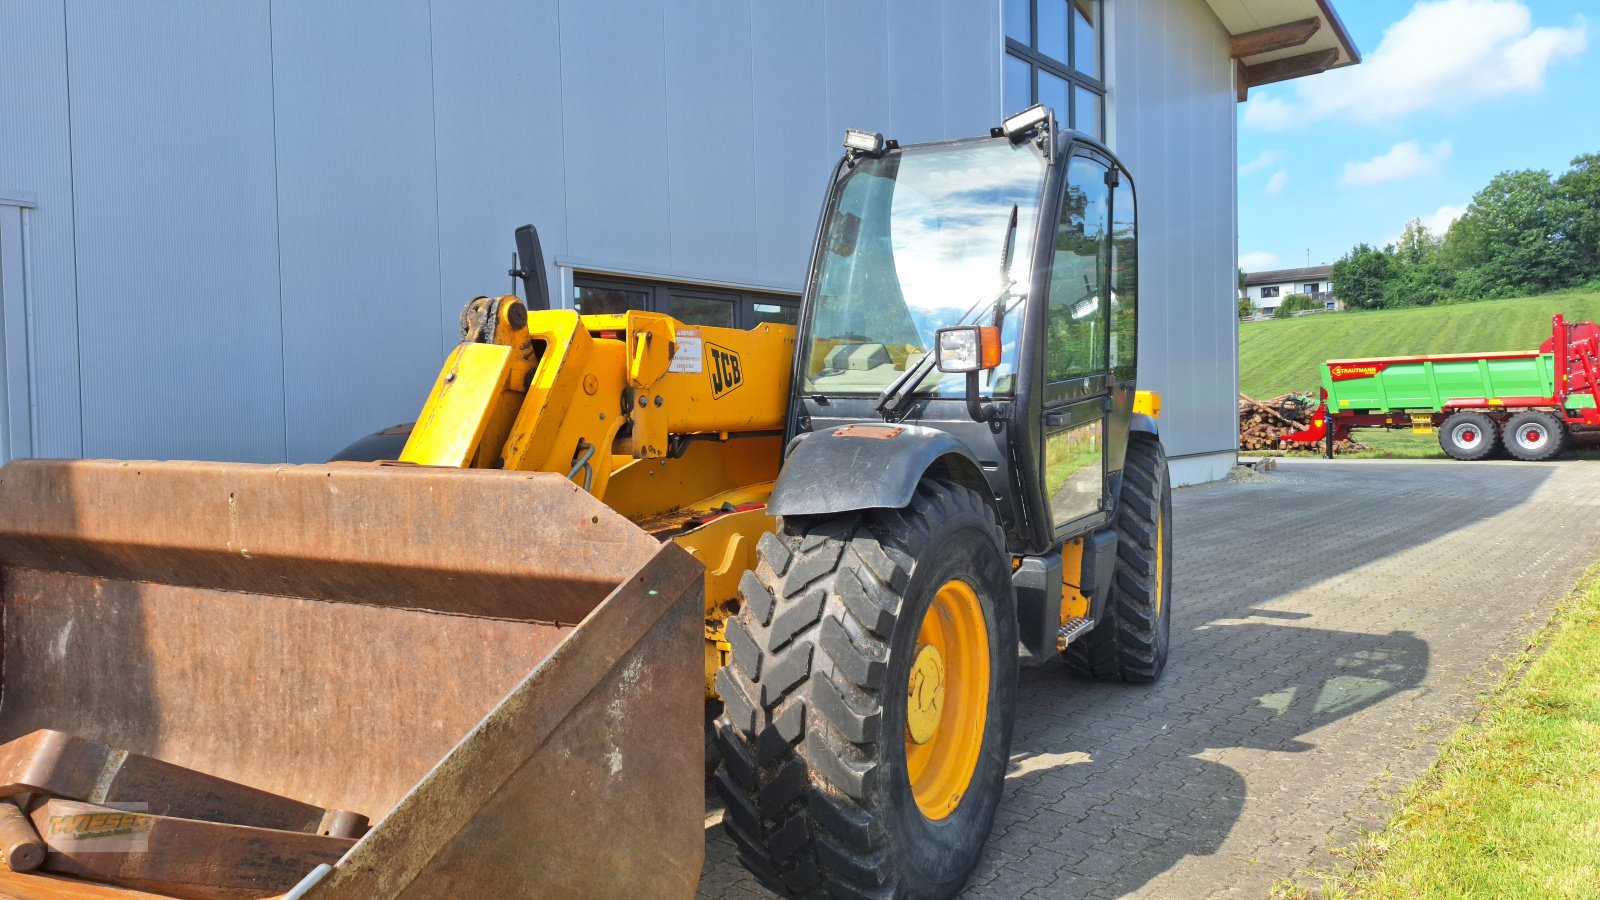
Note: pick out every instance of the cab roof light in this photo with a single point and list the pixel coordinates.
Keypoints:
(866, 143)
(1019, 126)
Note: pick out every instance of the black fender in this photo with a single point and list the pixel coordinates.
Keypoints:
(385, 444)
(1143, 424)
(869, 466)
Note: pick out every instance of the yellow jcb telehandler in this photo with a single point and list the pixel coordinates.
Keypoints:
(943, 470)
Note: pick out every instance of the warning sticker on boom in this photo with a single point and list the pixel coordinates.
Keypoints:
(686, 359)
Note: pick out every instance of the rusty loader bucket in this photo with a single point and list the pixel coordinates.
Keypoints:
(235, 670)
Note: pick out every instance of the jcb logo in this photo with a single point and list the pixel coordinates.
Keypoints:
(725, 372)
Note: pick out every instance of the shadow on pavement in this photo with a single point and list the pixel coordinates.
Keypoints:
(1114, 776)
(1325, 518)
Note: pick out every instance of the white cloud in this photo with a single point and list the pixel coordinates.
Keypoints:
(1437, 222)
(1276, 184)
(1443, 54)
(1266, 160)
(1259, 261)
(1440, 220)
(1267, 112)
(1404, 160)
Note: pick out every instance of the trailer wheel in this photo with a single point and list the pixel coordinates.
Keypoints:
(1469, 436)
(1535, 435)
(1130, 642)
(869, 701)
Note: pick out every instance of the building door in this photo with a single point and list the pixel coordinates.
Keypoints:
(15, 433)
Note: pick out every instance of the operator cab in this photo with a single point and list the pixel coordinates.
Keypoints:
(986, 288)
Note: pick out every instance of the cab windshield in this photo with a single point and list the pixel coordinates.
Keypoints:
(915, 242)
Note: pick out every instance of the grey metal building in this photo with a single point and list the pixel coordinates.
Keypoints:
(243, 230)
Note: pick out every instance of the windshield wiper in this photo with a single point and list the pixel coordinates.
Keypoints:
(898, 390)
(1005, 270)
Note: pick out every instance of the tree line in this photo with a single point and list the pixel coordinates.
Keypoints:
(1527, 232)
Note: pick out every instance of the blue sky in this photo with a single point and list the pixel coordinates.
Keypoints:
(1451, 92)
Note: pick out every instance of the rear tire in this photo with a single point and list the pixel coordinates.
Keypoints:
(1131, 640)
(1535, 435)
(824, 721)
(1469, 436)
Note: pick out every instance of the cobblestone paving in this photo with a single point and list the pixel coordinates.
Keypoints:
(1332, 622)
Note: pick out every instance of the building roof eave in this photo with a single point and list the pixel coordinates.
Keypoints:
(1279, 40)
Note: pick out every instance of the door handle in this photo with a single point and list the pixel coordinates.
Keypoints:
(1078, 413)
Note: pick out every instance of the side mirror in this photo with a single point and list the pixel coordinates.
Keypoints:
(846, 232)
(968, 348)
(530, 268)
(971, 349)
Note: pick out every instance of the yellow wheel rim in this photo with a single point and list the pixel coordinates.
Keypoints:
(947, 700)
(1161, 563)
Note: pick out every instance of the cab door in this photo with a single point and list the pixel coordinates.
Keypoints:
(1077, 388)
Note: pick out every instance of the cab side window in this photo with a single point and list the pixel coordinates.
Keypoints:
(1077, 341)
(1124, 283)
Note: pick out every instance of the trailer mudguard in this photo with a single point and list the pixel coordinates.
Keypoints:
(1144, 424)
(869, 466)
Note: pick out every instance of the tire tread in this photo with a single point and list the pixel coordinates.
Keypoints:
(822, 602)
(1127, 644)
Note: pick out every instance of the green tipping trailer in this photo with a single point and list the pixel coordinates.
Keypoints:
(1525, 401)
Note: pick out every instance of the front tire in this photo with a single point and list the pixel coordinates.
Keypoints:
(1131, 641)
(869, 701)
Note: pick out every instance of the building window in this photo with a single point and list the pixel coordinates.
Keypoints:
(689, 304)
(1313, 287)
(607, 299)
(1053, 56)
(1269, 292)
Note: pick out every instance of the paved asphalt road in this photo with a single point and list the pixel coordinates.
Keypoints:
(1332, 622)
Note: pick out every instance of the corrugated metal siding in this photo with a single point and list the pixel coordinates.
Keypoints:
(711, 176)
(36, 156)
(358, 217)
(972, 101)
(790, 130)
(915, 48)
(353, 172)
(498, 126)
(1173, 123)
(614, 104)
(172, 168)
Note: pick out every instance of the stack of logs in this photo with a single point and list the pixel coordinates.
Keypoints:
(1263, 424)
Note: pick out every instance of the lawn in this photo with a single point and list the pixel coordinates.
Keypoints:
(1512, 807)
(1282, 355)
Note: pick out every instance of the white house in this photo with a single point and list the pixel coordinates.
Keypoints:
(1267, 289)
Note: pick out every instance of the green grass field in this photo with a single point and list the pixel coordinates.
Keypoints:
(1512, 807)
(1282, 355)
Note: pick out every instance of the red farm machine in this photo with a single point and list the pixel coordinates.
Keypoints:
(1528, 402)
